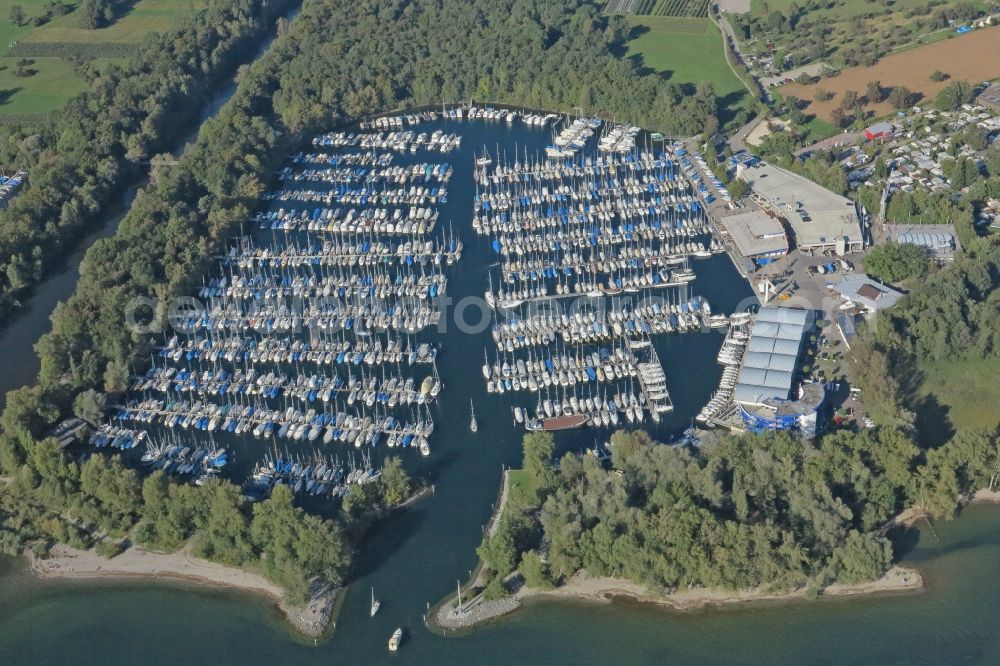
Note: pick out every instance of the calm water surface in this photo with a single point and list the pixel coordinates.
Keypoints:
(415, 558)
(953, 621)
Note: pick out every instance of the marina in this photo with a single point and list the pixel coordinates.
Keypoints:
(309, 333)
(321, 326)
(730, 356)
(599, 227)
(462, 467)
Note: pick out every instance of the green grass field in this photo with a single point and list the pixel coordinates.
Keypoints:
(523, 491)
(144, 17)
(687, 51)
(54, 80)
(53, 83)
(967, 389)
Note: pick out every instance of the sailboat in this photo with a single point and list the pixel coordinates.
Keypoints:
(473, 426)
(376, 604)
(396, 639)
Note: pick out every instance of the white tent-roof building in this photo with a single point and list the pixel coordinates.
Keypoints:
(768, 369)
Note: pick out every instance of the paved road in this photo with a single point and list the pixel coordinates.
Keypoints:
(729, 35)
(738, 140)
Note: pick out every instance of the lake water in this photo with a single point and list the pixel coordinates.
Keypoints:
(952, 621)
(415, 558)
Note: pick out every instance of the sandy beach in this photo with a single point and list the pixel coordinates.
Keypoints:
(593, 588)
(584, 587)
(311, 618)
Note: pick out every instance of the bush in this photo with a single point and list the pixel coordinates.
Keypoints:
(109, 548)
(535, 571)
(900, 97)
(938, 75)
(495, 590)
(896, 261)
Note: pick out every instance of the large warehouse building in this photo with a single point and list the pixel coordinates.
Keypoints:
(820, 220)
(765, 390)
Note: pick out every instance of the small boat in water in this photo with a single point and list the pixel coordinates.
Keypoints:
(376, 604)
(395, 639)
(473, 425)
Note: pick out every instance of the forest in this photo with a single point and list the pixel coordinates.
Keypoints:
(769, 512)
(952, 314)
(81, 162)
(104, 504)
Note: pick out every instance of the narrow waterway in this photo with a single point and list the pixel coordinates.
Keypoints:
(19, 335)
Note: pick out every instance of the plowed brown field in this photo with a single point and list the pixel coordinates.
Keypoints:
(973, 57)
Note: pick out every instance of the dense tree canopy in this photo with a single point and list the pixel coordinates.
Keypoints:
(894, 262)
(770, 511)
(78, 163)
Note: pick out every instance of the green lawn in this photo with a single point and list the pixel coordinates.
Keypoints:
(523, 491)
(54, 80)
(687, 51)
(144, 17)
(968, 389)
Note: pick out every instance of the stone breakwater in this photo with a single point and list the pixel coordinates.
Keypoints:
(478, 611)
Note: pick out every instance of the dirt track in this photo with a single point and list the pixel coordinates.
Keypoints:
(973, 57)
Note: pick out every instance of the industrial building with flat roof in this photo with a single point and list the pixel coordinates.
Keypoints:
(820, 219)
(879, 131)
(756, 234)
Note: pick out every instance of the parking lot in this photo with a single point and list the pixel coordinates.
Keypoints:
(799, 287)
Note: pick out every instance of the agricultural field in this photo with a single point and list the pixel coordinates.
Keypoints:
(780, 35)
(679, 8)
(49, 80)
(144, 17)
(687, 51)
(970, 57)
(841, 9)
